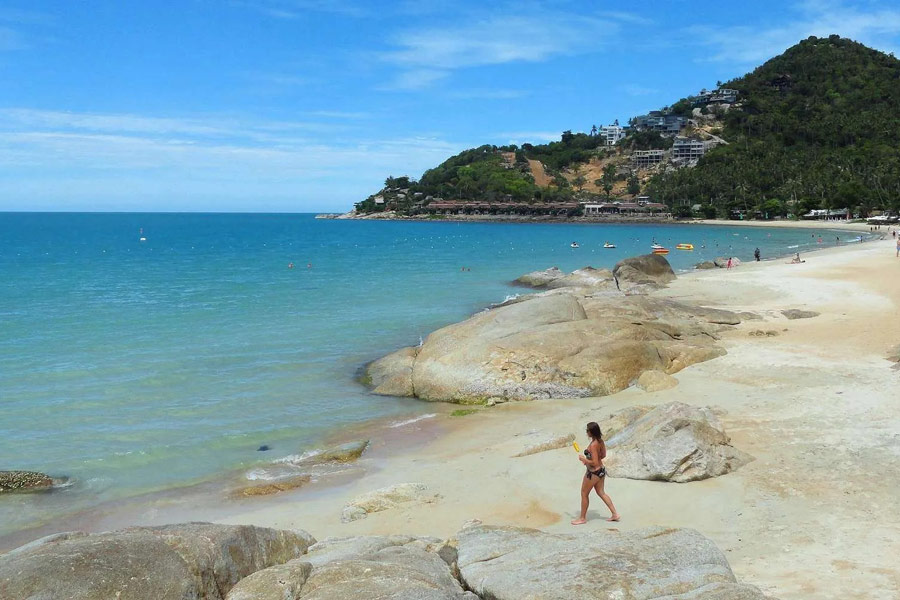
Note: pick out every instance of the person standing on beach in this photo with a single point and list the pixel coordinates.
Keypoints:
(595, 477)
(756, 254)
(898, 246)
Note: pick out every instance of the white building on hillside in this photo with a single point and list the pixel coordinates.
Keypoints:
(611, 134)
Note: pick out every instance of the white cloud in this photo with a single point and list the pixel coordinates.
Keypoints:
(53, 154)
(295, 9)
(874, 25)
(519, 34)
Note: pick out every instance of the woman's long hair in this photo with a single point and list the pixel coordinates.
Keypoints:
(594, 431)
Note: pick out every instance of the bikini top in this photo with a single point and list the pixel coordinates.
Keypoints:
(587, 453)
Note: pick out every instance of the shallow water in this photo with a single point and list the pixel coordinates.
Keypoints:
(133, 366)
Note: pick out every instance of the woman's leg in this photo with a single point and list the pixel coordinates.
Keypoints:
(586, 486)
(606, 499)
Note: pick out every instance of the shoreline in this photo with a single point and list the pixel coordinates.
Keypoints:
(784, 223)
(456, 455)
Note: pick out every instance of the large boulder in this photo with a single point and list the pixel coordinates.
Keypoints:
(361, 568)
(177, 562)
(588, 277)
(401, 572)
(795, 313)
(644, 269)
(24, 481)
(510, 563)
(561, 344)
(672, 442)
(538, 279)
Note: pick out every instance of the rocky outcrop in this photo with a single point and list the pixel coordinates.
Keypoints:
(177, 562)
(656, 381)
(279, 485)
(672, 442)
(706, 264)
(24, 481)
(200, 561)
(645, 269)
(561, 344)
(537, 279)
(344, 453)
(893, 354)
(510, 563)
(794, 313)
(385, 499)
(588, 277)
(722, 262)
(552, 443)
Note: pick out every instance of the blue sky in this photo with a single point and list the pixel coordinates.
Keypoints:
(307, 105)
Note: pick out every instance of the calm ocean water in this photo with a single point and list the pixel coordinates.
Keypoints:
(132, 366)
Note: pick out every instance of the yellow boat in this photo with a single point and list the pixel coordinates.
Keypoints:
(684, 247)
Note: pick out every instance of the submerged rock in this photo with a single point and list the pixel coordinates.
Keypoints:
(279, 485)
(177, 562)
(561, 344)
(24, 481)
(511, 563)
(672, 442)
(344, 453)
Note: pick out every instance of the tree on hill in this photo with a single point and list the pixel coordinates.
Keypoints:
(608, 180)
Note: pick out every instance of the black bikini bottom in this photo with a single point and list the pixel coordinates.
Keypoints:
(601, 472)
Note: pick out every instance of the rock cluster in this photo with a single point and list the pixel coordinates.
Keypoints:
(794, 313)
(671, 442)
(200, 561)
(24, 481)
(564, 343)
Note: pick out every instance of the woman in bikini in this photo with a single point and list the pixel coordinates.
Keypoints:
(595, 476)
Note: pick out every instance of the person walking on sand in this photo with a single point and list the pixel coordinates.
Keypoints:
(898, 246)
(756, 254)
(595, 477)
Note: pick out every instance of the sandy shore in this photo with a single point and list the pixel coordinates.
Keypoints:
(817, 514)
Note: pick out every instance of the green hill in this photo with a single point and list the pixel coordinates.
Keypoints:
(816, 127)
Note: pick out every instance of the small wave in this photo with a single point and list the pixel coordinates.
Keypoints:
(413, 420)
(295, 458)
(794, 246)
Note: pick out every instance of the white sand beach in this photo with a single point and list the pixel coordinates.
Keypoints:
(814, 516)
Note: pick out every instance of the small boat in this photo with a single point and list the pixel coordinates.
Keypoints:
(655, 246)
(608, 245)
(143, 239)
(684, 247)
(574, 245)
(660, 250)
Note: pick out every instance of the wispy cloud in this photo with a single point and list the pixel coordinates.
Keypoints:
(874, 24)
(633, 89)
(295, 9)
(429, 54)
(170, 155)
(488, 94)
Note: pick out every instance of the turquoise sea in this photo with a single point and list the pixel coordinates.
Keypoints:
(131, 366)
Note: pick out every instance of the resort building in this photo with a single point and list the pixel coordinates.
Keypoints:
(689, 149)
(641, 159)
(611, 134)
(719, 96)
(659, 121)
(622, 208)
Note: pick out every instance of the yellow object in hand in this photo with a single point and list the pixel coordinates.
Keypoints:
(575, 445)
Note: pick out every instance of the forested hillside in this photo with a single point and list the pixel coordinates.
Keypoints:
(818, 125)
